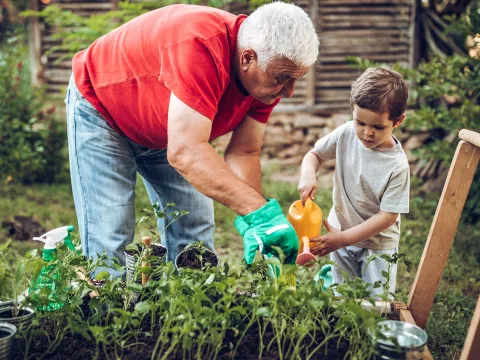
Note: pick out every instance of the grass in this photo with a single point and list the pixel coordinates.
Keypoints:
(52, 206)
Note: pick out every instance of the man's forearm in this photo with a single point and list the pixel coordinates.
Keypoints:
(201, 166)
(247, 168)
(369, 228)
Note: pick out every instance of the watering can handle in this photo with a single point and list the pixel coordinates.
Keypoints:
(308, 207)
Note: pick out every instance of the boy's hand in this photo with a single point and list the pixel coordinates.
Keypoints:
(307, 186)
(333, 241)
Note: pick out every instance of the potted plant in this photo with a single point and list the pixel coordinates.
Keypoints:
(196, 256)
(156, 254)
(7, 335)
(11, 277)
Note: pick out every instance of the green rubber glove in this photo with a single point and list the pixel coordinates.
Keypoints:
(264, 228)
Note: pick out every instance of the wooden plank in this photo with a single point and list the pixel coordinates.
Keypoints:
(365, 49)
(359, 33)
(442, 231)
(35, 44)
(346, 42)
(311, 75)
(364, 18)
(393, 58)
(407, 317)
(471, 348)
(356, 25)
(363, 2)
(470, 136)
(383, 8)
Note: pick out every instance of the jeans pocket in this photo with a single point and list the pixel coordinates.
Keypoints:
(85, 105)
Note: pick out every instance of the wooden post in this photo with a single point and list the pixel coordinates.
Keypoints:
(35, 44)
(406, 316)
(147, 242)
(443, 229)
(311, 74)
(471, 349)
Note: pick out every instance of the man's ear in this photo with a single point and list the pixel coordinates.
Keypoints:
(247, 58)
(399, 121)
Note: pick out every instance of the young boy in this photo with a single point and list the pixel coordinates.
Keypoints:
(371, 181)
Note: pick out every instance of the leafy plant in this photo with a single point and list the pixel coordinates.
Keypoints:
(31, 140)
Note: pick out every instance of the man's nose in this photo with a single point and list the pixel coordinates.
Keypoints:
(288, 89)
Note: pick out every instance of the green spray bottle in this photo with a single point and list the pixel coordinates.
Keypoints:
(49, 276)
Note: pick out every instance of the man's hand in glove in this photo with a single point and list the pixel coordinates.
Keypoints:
(265, 228)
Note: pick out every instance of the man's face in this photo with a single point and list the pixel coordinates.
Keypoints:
(374, 130)
(277, 81)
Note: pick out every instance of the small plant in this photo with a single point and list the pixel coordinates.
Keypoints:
(391, 260)
(138, 253)
(196, 256)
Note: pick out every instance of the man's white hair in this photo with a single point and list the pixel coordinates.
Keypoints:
(280, 29)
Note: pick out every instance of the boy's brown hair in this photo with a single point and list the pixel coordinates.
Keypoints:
(380, 90)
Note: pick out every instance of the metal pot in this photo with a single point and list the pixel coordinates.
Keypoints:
(190, 249)
(410, 338)
(22, 320)
(7, 336)
(131, 261)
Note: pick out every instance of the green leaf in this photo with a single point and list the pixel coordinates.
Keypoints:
(143, 307)
(264, 312)
(209, 279)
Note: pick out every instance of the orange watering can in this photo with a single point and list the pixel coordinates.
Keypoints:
(306, 220)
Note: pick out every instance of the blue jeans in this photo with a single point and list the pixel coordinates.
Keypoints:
(354, 260)
(103, 168)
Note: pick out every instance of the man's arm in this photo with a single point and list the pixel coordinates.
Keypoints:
(243, 152)
(194, 158)
(336, 239)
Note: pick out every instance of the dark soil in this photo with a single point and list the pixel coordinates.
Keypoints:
(157, 250)
(23, 228)
(75, 347)
(7, 313)
(4, 334)
(194, 259)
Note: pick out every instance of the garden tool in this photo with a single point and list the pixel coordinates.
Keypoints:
(306, 220)
(49, 275)
(325, 274)
(305, 256)
(147, 242)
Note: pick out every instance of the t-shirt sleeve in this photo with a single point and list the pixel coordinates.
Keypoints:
(397, 194)
(260, 111)
(192, 70)
(326, 147)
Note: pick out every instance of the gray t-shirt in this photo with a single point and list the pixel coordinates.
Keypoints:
(366, 181)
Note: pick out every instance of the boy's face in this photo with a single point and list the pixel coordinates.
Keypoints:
(374, 130)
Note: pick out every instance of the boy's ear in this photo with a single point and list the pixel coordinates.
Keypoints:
(399, 121)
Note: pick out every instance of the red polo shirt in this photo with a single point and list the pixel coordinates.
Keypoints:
(129, 74)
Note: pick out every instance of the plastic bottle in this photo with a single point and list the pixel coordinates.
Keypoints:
(49, 276)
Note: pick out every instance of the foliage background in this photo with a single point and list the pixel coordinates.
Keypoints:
(444, 98)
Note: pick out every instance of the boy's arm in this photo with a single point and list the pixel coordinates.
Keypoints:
(336, 239)
(307, 185)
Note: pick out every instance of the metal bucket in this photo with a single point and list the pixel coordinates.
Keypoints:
(189, 249)
(411, 341)
(131, 261)
(22, 320)
(7, 335)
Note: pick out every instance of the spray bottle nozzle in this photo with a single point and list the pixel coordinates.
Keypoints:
(55, 236)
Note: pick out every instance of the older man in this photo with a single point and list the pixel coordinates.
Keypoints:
(151, 94)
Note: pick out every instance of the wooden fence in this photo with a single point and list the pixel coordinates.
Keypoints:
(378, 30)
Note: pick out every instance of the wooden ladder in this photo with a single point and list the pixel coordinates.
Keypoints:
(440, 239)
